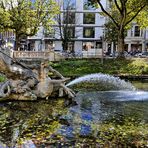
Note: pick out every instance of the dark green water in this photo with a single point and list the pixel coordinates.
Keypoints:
(53, 123)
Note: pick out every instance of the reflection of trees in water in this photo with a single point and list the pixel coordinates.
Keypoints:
(109, 105)
(6, 132)
(98, 105)
(137, 110)
(141, 85)
(41, 121)
(34, 120)
(10, 124)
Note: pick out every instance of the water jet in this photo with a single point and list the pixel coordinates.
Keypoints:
(101, 82)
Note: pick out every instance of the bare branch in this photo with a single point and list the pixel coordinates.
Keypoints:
(102, 8)
(118, 7)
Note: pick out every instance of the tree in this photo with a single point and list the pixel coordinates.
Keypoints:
(111, 33)
(122, 13)
(25, 16)
(66, 24)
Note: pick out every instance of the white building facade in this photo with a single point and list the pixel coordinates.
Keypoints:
(136, 39)
(86, 27)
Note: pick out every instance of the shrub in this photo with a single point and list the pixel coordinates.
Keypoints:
(2, 78)
(138, 66)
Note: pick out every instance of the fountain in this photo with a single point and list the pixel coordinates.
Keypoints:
(49, 119)
(113, 96)
(101, 82)
(30, 81)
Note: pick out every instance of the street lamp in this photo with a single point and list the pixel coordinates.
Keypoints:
(102, 52)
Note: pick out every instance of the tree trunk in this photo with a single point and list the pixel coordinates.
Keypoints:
(17, 41)
(121, 44)
(65, 45)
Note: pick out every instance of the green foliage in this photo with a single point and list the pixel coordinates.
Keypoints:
(2, 78)
(4, 19)
(111, 32)
(136, 67)
(141, 19)
(122, 13)
(111, 66)
(25, 17)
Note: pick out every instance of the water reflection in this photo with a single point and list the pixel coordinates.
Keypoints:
(105, 105)
(21, 121)
(38, 124)
(141, 85)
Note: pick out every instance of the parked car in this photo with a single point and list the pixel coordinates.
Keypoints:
(144, 54)
(138, 54)
(115, 54)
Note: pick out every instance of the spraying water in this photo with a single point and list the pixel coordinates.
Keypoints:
(102, 82)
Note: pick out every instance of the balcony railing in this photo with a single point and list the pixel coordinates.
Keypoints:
(31, 54)
(56, 56)
(51, 55)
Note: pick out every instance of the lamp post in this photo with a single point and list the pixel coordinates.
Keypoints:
(102, 52)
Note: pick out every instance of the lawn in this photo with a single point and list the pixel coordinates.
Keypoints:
(80, 67)
(110, 66)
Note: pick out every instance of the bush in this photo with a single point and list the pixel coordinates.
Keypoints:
(2, 78)
(138, 67)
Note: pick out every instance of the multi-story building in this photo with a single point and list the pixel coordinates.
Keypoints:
(85, 25)
(136, 39)
(86, 29)
(85, 33)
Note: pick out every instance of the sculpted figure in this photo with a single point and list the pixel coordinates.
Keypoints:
(30, 82)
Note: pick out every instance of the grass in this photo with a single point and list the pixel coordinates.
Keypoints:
(82, 67)
(110, 66)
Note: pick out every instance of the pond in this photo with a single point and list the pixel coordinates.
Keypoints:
(99, 119)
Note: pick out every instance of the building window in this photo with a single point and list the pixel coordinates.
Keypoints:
(98, 45)
(31, 45)
(89, 18)
(69, 4)
(137, 31)
(70, 47)
(49, 45)
(88, 32)
(87, 5)
(88, 45)
(69, 17)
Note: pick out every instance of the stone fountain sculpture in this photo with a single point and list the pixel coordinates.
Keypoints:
(30, 82)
